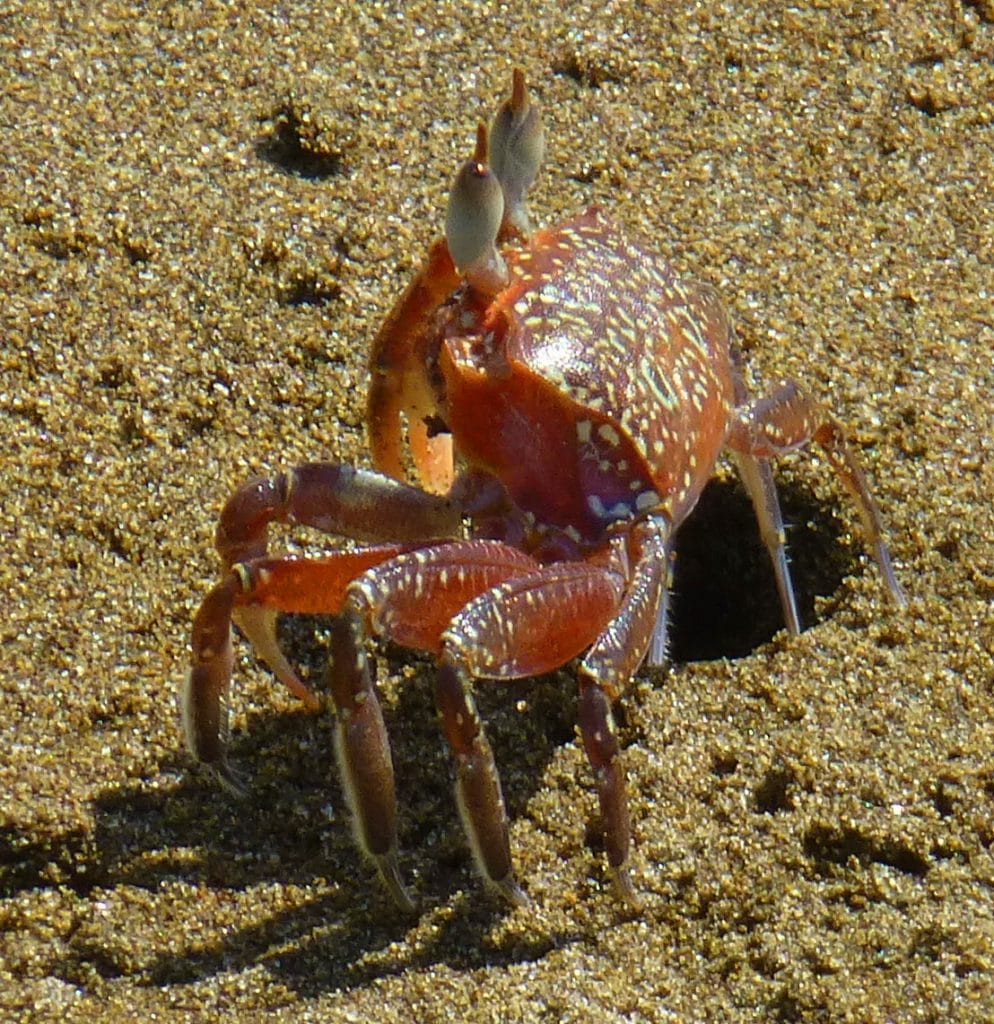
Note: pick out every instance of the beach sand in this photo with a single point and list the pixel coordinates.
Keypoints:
(203, 218)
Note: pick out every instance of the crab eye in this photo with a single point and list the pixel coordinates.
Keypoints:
(473, 218)
(517, 144)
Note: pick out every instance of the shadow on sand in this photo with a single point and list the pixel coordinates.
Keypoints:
(194, 832)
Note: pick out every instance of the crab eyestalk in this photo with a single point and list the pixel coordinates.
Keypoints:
(517, 145)
(473, 219)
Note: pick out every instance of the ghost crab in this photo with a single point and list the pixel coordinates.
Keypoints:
(586, 393)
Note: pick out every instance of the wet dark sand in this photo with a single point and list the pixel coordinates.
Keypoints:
(188, 293)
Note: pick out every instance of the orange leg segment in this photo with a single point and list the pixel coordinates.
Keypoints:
(252, 594)
(322, 495)
(411, 599)
(334, 499)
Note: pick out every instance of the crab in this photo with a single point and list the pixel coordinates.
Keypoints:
(563, 398)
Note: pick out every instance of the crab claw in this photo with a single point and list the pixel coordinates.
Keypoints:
(473, 219)
(400, 387)
(517, 145)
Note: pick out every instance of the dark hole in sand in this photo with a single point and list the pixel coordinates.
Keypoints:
(724, 602)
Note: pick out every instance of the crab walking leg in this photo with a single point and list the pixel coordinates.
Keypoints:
(300, 586)
(410, 600)
(524, 627)
(659, 640)
(757, 477)
(329, 497)
(788, 419)
(605, 673)
(363, 752)
(252, 594)
(206, 688)
(335, 499)
(478, 790)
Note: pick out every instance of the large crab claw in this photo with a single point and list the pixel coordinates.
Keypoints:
(400, 387)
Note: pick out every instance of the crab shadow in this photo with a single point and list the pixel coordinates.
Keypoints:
(292, 829)
(333, 927)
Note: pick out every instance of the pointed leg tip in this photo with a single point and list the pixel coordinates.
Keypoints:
(896, 591)
(389, 872)
(624, 890)
(791, 616)
(234, 782)
(312, 701)
(890, 577)
(897, 595)
(511, 892)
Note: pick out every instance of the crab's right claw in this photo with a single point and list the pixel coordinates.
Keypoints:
(399, 388)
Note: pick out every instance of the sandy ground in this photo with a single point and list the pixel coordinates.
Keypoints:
(204, 216)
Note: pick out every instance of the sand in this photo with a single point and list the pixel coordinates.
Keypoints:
(204, 216)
